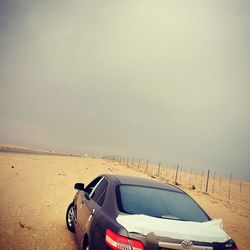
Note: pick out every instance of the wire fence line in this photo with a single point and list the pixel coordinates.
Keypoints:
(204, 181)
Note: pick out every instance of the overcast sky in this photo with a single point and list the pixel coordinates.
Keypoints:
(165, 80)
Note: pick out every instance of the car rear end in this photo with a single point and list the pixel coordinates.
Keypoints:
(152, 242)
(142, 206)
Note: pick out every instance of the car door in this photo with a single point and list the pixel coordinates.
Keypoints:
(96, 232)
(83, 211)
(90, 203)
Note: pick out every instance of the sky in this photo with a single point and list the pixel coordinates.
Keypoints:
(153, 79)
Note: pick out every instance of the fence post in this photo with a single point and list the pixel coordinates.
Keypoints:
(177, 168)
(207, 179)
(159, 168)
(230, 180)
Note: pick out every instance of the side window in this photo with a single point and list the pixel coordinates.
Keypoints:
(92, 185)
(102, 198)
(98, 194)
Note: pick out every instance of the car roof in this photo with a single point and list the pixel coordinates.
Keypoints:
(132, 180)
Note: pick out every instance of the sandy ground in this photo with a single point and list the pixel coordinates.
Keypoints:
(36, 190)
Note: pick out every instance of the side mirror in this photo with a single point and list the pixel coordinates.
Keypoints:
(79, 186)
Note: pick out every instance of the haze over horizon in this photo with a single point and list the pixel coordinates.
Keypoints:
(162, 80)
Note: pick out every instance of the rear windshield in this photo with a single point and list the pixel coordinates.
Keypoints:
(160, 203)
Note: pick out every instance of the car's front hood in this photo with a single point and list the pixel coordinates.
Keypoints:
(211, 231)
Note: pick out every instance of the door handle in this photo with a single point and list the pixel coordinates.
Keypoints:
(91, 214)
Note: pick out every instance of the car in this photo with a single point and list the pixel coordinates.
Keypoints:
(131, 213)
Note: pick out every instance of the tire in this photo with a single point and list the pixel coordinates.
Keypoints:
(70, 217)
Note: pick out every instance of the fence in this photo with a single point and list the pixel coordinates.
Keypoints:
(205, 181)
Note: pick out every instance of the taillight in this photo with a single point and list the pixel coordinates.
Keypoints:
(117, 242)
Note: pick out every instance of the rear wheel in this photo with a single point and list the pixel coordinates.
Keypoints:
(70, 216)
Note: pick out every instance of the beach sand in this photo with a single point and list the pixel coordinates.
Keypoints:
(36, 190)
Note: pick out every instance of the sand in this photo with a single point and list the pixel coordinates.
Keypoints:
(36, 190)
